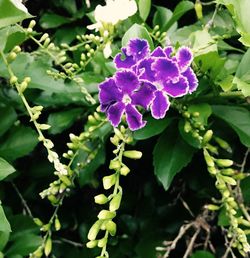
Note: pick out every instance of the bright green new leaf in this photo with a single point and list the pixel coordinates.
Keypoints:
(4, 224)
(171, 154)
(137, 31)
(144, 8)
(12, 11)
(238, 118)
(5, 169)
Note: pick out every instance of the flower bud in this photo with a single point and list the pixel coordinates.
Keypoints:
(38, 222)
(229, 180)
(212, 170)
(124, 170)
(187, 127)
(11, 57)
(212, 207)
(186, 114)
(44, 126)
(115, 202)
(37, 253)
(17, 49)
(65, 180)
(105, 214)
(13, 79)
(115, 140)
(223, 144)
(228, 171)
(198, 9)
(48, 246)
(207, 137)
(114, 164)
(101, 199)
(224, 162)
(109, 181)
(44, 37)
(92, 244)
(94, 230)
(57, 224)
(32, 24)
(118, 134)
(132, 154)
(102, 242)
(111, 227)
(208, 158)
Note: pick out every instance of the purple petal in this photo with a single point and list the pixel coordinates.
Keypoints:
(165, 69)
(158, 52)
(138, 48)
(124, 60)
(177, 89)
(144, 95)
(127, 81)
(144, 69)
(115, 113)
(160, 105)
(192, 79)
(134, 118)
(108, 94)
(168, 51)
(184, 58)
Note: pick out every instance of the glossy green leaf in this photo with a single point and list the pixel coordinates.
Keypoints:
(52, 20)
(19, 142)
(236, 117)
(144, 8)
(4, 224)
(8, 117)
(137, 31)
(5, 169)
(179, 11)
(12, 11)
(171, 154)
(152, 128)
(60, 121)
(202, 254)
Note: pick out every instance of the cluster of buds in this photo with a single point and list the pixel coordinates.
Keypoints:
(159, 36)
(105, 217)
(226, 180)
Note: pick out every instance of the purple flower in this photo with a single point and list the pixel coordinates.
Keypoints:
(121, 94)
(147, 80)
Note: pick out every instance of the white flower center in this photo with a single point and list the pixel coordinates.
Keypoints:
(126, 99)
(158, 86)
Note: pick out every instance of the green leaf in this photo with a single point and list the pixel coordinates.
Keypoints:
(204, 111)
(20, 141)
(4, 238)
(244, 185)
(202, 254)
(8, 117)
(223, 220)
(240, 13)
(52, 20)
(170, 155)
(5, 169)
(236, 117)
(144, 8)
(4, 224)
(179, 11)
(137, 31)
(62, 120)
(12, 11)
(242, 76)
(152, 128)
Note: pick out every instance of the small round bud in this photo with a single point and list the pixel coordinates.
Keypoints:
(13, 79)
(92, 244)
(109, 181)
(132, 154)
(115, 202)
(105, 214)
(32, 24)
(101, 199)
(48, 246)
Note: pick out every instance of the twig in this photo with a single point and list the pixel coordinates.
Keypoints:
(187, 207)
(191, 243)
(25, 205)
(73, 243)
(229, 247)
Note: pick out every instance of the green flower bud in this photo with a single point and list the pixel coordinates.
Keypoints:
(208, 158)
(101, 199)
(105, 214)
(45, 227)
(114, 164)
(102, 242)
(207, 137)
(224, 162)
(52, 199)
(32, 24)
(228, 171)
(198, 9)
(115, 140)
(91, 119)
(195, 114)
(92, 244)
(38, 222)
(13, 79)
(226, 193)
(94, 230)
(220, 185)
(111, 227)
(48, 246)
(223, 144)
(212, 207)
(212, 170)
(115, 202)
(109, 181)
(239, 176)
(118, 134)
(37, 253)
(11, 57)
(44, 37)
(65, 180)
(17, 49)
(186, 114)
(44, 126)
(156, 27)
(124, 170)
(187, 127)
(132, 154)
(57, 224)
(244, 222)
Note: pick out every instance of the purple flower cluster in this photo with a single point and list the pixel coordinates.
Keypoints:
(146, 79)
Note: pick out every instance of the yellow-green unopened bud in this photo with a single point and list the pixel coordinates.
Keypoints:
(229, 180)
(212, 170)
(186, 114)
(13, 79)
(114, 164)
(38, 253)
(65, 180)
(92, 244)
(224, 162)
(44, 126)
(111, 227)
(124, 170)
(102, 242)
(38, 222)
(212, 207)
(187, 127)
(11, 57)
(207, 137)
(32, 24)
(223, 144)
(105, 214)
(45, 227)
(57, 224)
(101, 199)
(48, 246)
(115, 202)
(53, 199)
(109, 181)
(228, 171)
(115, 140)
(198, 9)
(208, 158)
(94, 230)
(132, 154)
(44, 37)
(118, 134)
(17, 49)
